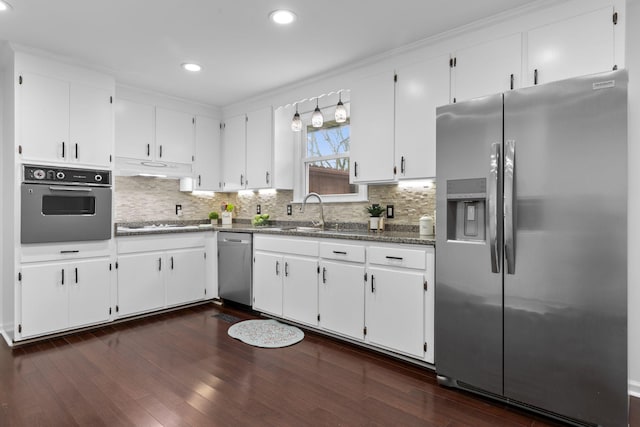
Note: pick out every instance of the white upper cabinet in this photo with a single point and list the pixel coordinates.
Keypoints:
(135, 129)
(259, 149)
(372, 129)
(573, 47)
(149, 133)
(91, 130)
(234, 151)
(247, 151)
(487, 68)
(207, 163)
(420, 88)
(63, 121)
(174, 136)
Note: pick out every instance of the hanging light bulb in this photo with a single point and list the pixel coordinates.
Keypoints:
(341, 112)
(317, 120)
(296, 123)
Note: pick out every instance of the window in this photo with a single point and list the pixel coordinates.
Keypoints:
(325, 161)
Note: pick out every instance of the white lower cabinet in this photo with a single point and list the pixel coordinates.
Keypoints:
(155, 272)
(381, 294)
(60, 295)
(284, 284)
(342, 298)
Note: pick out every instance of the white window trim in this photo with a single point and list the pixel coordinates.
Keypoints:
(301, 186)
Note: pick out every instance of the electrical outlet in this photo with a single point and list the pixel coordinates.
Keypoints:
(289, 210)
(258, 209)
(390, 211)
(179, 210)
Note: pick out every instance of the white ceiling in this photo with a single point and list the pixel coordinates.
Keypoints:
(143, 42)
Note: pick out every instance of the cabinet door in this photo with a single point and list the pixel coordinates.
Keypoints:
(184, 276)
(259, 148)
(267, 282)
(134, 130)
(43, 298)
(300, 290)
(91, 129)
(395, 310)
(574, 47)
(43, 118)
(372, 133)
(140, 282)
(234, 153)
(341, 298)
(207, 164)
(420, 89)
(89, 292)
(487, 68)
(174, 136)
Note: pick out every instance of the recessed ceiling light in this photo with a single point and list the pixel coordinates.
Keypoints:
(4, 6)
(282, 16)
(189, 66)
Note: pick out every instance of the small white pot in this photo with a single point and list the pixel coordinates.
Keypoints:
(227, 218)
(374, 222)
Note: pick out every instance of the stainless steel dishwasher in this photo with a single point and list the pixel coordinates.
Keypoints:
(234, 267)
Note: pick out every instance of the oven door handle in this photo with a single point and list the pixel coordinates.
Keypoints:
(57, 188)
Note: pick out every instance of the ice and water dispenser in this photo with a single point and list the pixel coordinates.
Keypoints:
(466, 200)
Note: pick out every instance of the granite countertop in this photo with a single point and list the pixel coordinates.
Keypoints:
(346, 231)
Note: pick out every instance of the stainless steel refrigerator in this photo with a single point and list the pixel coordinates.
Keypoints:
(531, 248)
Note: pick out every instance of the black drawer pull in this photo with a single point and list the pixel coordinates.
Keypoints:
(69, 252)
(340, 252)
(397, 258)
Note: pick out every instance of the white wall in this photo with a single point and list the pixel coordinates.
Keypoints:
(525, 19)
(633, 65)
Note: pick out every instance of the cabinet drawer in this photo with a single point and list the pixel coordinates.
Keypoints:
(294, 246)
(342, 252)
(133, 244)
(398, 257)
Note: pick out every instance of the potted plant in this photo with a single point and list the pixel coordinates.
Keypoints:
(213, 216)
(227, 215)
(375, 211)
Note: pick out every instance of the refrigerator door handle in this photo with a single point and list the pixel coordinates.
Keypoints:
(509, 173)
(493, 207)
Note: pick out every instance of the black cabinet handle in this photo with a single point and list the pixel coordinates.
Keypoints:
(402, 164)
(241, 179)
(63, 153)
(76, 274)
(324, 275)
(535, 76)
(340, 252)
(398, 258)
(63, 276)
(199, 180)
(148, 150)
(172, 263)
(286, 269)
(373, 286)
(277, 268)
(512, 81)
(355, 169)
(161, 151)
(76, 150)
(159, 264)
(266, 177)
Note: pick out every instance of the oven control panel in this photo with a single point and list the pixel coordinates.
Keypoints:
(49, 174)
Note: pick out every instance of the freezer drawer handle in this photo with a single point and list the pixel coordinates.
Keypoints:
(509, 172)
(493, 207)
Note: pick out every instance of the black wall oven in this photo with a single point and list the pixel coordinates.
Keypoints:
(65, 204)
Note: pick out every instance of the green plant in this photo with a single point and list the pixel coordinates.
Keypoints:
(213, 215)
(230, 207)
(375, 210)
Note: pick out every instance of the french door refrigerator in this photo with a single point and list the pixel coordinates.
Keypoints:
(531, 265)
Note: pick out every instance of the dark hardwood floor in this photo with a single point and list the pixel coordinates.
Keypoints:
(182, 369)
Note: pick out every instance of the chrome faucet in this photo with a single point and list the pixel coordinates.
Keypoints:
(304, 203)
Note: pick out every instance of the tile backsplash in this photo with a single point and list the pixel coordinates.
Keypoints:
(154, 199)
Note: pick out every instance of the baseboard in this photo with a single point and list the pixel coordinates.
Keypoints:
(634, 388)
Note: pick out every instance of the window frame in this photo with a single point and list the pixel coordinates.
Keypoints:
(301, 187)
